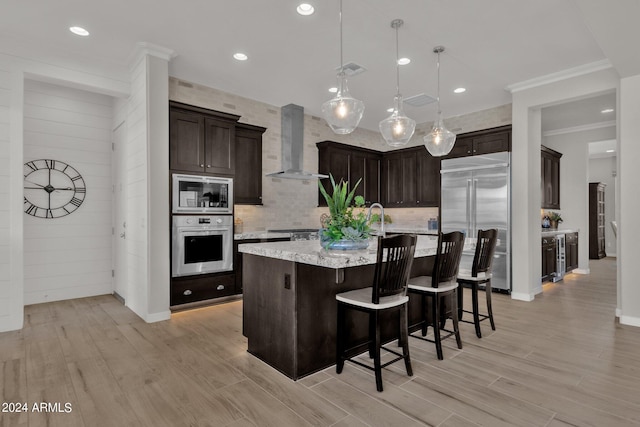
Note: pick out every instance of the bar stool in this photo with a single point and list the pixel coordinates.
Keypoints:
(388, 292)
(480, 274)
(441, 286)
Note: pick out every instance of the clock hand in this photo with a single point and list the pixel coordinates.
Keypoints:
(35, 183)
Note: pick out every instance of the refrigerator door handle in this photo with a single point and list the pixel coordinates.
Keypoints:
(468, 230)
(474, 195)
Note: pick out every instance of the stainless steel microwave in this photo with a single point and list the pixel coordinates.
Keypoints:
(202, 194)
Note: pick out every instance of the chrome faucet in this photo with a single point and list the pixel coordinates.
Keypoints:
(373, 205)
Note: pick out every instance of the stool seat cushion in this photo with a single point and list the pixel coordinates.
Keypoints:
(466, 275)
(362, 298)
(423, 284)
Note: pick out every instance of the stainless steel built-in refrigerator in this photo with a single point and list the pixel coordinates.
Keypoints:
(476, 196)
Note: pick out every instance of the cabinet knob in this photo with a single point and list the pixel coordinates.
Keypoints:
(219, 287)
(187, 292)
(208, 166)
(201, 165)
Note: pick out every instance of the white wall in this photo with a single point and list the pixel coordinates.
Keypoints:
(603, 169)
(69, 257)
(629, 206)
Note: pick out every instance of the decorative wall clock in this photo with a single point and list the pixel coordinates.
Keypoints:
(52, 189)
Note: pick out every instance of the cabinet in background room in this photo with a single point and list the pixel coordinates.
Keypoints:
(550, 174)
(201, 140)
(597, 244)
(248, 181)
(485, 141)
(350, 163)
(548, 258)
(571, 251)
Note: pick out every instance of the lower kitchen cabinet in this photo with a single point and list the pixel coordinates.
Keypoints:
(202, 287)
(548, 258)
(237, 257)
(571, 251)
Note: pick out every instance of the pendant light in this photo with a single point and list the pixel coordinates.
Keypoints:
(397, 129)
(343, 112)
(440, 140)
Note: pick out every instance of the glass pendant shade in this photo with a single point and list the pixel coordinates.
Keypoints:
(343, 113)
(397, 129)
(439, 142)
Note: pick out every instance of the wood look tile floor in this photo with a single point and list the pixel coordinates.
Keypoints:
(561, 360)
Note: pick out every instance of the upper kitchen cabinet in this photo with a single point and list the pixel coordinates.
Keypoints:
(411, 178)
(484, 141)
(550, 182)
(400, 169)
(201, 140)
(248, 151)
(351, 164)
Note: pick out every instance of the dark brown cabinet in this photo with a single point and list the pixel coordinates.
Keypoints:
(548, 258)
(201, 140)
(185, 290)
(248, 151)
(400, 171)
(485, 141)
(350, 164)
(571, 251)
(597, 244)
(550, 174)
(428, 179)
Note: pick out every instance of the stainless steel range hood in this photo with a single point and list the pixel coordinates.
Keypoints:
(292, 145)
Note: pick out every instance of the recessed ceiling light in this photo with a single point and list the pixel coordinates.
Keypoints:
(403, 61)
(607, 110)
(333, 89)
(240, 56)
(459, 90)
(611, 151)
(79, 31)
(305, 9)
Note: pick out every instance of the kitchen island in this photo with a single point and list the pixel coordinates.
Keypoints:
(289, 300)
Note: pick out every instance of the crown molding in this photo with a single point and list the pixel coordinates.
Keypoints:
(581, 128)
(560, 75)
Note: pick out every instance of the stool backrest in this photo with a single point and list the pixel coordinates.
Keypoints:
(393, 265)
(448, 257)
(485, 248)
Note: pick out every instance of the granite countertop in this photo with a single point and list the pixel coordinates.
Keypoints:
(549, 233)
(310, 252)
(260, 235)
(409, 227)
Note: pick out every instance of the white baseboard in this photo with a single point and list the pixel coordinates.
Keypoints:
(629, 320)
(522, 296)
(49, 295)
(582, 271)
(158, 317)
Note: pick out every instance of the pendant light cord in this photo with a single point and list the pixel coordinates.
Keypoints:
(341, 57)
(397, 62)
(439, 110)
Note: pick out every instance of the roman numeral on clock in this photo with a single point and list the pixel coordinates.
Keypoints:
(31, 209)
(76, 202)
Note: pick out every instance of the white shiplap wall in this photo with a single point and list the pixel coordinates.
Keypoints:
(70, 257)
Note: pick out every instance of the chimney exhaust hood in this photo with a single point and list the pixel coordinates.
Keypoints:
(292, 132)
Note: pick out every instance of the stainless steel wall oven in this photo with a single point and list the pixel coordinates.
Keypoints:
(201, 244)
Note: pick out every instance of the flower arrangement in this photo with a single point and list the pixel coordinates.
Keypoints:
(346, 222)
(554, 216)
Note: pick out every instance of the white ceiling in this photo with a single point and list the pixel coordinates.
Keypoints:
(292, 59)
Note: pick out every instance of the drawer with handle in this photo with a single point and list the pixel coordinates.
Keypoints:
(200, 288)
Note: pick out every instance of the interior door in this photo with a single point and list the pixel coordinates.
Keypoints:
(120, 211)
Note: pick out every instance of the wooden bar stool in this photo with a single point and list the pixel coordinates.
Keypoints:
(389, 292)
(480, 274)
(440, 286)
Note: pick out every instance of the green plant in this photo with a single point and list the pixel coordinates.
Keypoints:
(376, 218)
(554, 216)
(346, 221)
